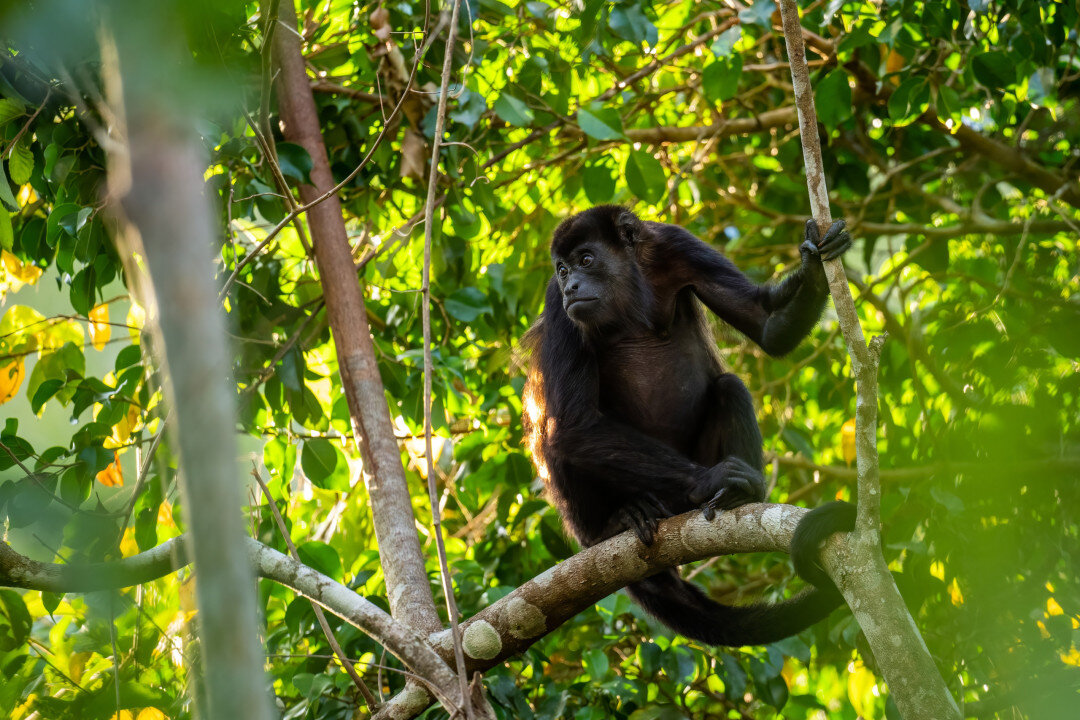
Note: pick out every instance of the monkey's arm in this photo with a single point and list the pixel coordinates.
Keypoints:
(624, 459)
(776, 317)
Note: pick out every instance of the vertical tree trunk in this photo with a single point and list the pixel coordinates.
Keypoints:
(407, 583)
(162, 194)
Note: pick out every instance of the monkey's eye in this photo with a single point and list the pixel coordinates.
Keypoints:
(586, 260)
(561, 270)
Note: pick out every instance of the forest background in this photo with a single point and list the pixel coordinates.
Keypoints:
(951, 138)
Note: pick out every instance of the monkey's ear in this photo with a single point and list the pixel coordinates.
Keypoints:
(629, 226)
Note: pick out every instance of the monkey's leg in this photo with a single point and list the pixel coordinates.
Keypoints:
(729, 441)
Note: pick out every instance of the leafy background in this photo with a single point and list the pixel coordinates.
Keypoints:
(966, 254)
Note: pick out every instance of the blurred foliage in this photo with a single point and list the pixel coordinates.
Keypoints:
(968, 260)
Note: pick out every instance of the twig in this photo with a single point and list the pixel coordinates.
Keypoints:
(329, 193)
(429, 215)
(358, 681)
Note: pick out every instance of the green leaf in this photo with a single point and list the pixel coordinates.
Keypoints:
(51, 601)
(948, 103)
(513, 110)
(760, 13)
(128, 356)
(832, 98)
(720, 78)
(467, 304)
(630, 23)
(909, 101)
(724, 44)
(43, 392)
(83, 291)
(10, 109)
(21, 162)
(596, 663)
(600, 123)
(12, 605)
(950, 502)
(994, 69)
(468, 109)
(319, 459)
(599, 183)
(295, 162)
(322, 557)
(645, 176)
(5, 191)
(7, 235)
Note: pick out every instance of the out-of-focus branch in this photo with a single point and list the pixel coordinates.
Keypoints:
(156, 191)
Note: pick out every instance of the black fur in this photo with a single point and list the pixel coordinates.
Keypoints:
(631, 417)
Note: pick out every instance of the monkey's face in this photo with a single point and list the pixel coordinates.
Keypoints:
(593, 278)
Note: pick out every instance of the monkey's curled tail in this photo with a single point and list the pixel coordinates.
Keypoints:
(684, 608)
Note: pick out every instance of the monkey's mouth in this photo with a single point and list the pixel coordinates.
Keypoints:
(575, 301)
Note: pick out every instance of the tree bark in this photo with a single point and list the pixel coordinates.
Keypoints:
(159, 184)
(407, 582)
(855, 561)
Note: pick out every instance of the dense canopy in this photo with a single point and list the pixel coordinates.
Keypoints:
(951, 140)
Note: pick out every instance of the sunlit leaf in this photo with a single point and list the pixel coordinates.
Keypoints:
(847, 441)
(11, 377)
(600, 123)
(113, 474)
(100, 329)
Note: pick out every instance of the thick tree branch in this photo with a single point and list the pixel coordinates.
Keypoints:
(516, 621)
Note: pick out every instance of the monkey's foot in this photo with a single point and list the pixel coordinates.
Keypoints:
(643, 516)
(730, 483)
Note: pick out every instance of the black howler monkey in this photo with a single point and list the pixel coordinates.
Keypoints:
(632, 418)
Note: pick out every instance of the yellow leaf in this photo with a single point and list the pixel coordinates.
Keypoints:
(150, 714)
(11, 377)
(894, 64)
(1052, 607)
(188, 604)
(112, 476)
(164, 515)
(100, 329)
(136, 317)
(1072, 657)
(955, 595)
(861, 684)
(26, 273)
(847, 441)
(77, 664)
(122, 430)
